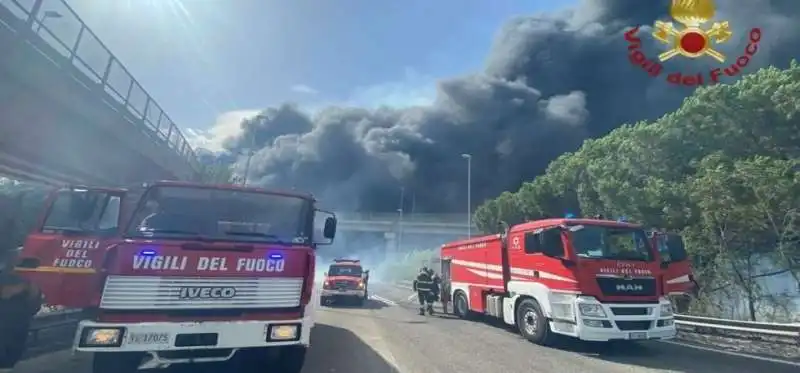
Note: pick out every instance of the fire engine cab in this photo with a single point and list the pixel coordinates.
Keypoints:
(592, 279)
(176, 272)
(345, 279)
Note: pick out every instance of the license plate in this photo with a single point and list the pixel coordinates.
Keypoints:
(148, 338)
(342, 290)
(638, 335)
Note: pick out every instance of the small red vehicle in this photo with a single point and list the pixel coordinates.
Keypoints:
(345, 279)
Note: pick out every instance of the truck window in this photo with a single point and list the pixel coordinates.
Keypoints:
(177, 212)
(104, 214)
(619, 243)
(532, 243)
(109, 218)
(344, 270)
(663, 249)
(547, 242)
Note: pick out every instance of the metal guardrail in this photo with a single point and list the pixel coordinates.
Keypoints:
(789, 332)
(451, 219)
(85, 56)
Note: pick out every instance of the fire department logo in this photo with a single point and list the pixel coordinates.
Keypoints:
(692, 38)
(692, 41)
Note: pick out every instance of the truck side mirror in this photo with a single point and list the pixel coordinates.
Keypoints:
(325, 274)
(329, 231)
(551, 243)
(676, 248)
(503, 227)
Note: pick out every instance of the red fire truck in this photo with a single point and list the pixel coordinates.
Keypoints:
(592, 279)
(345, 279)
(181, 272)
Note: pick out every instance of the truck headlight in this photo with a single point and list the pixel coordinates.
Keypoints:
(591, 310)
(666, 309)
(283, 332)
(101, 337)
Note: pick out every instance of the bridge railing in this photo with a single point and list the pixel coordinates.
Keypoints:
(81, 51)
(407, 217)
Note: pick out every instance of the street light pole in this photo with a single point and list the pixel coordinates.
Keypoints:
(250, 154)
(468, 157)
(400, 211)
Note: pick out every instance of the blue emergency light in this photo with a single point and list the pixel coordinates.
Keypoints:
(147, 252)
(569, 215)
(275, 256)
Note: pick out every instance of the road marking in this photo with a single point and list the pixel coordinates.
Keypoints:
(732, 353)
(383, 300)
(412, 297)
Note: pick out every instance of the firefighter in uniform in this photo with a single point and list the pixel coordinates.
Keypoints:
(19, 302)
(426, 290)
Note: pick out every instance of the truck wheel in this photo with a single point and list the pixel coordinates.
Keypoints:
(116, 362)
(461, 306)
(532, 323)
(290, 359)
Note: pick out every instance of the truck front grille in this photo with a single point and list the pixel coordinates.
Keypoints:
(344, 284)
(170, 293)
(619, 286)
(634, 325)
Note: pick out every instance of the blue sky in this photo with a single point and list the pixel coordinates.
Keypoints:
(202, 59)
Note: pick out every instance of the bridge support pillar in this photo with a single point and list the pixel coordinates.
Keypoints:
(391, 244)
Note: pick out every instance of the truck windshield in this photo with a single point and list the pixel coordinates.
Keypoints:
(100, 213)
(618, 243)
(344, 270)
(176, 212)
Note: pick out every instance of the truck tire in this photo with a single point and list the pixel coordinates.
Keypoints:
(116, 362)
(461, 306)
(532, 323)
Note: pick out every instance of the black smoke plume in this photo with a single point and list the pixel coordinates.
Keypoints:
(550, 81)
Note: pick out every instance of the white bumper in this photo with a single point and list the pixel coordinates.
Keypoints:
(161, 336)
(343, 293)
(611, 326)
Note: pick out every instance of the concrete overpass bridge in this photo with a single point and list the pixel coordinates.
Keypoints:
(70, 112)
(396, 230)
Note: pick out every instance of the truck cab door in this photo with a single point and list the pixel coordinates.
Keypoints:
(679, 282)
(64, 254)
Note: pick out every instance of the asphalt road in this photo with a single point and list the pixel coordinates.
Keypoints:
(387, 336)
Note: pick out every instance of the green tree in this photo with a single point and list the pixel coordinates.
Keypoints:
(722, 169)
